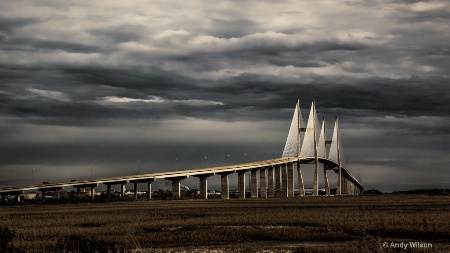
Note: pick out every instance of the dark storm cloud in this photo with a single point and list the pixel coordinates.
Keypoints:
(8, 25)
(108, 76)
(30, 44)
(120, 34)
(439, 15)
(233, 28)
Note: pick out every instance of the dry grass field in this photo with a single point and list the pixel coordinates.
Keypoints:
(310, 224)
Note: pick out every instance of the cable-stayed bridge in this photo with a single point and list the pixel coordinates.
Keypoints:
(305, 144)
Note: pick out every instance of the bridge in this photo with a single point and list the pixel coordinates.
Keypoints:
(305, 144)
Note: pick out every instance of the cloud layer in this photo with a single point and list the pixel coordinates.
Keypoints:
(111, 84)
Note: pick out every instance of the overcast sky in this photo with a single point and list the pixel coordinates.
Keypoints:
(106, 88)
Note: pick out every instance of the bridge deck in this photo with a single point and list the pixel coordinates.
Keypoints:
(180, 174)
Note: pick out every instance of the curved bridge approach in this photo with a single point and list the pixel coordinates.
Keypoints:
(305, 144)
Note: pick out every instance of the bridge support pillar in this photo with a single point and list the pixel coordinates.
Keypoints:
(176, 189)
(241, 184)
(262, 183)
(254, 183)
(43, 195)
(224, 186)
(149, 189)
(16, 198)
(327, 184)
(148, 181)
(108, 191)
(92, 192)
(270, 192)
(290, 179)
(135, 189)
(277, 180)
(301, 186)
(122, 190)
(109, 188)
(316, 181)
(284, 180)
(176, 186)
(339, 184)
(204, 187)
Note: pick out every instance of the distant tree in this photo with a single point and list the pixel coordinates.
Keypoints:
(434, 191)
(372, 192)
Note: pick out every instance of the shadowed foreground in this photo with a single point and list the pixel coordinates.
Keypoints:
(311, 224)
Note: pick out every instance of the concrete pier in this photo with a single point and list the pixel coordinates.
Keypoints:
(316, 180)
(284, 181)
(92, 192)
(241, 184)
(147, 181)
(122, 190)
(254, 183)
(203, 185)
(108, 191)
(290, 179)
(262, 183)
(149, 189)
(339, 182)
(176, 186)
(135, 190)
(109, 187)
(301, 186)
(45, 190)
(224, 186)
(270, 190)
(277, 180)
(325, 179)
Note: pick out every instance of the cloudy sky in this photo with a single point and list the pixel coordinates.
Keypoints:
(106, 88)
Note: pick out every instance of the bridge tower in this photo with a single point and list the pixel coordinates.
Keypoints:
(311, 148)
(335, 155)
(292, 147)
(308, 149)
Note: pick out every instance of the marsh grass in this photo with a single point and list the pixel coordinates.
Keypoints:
(314, 224)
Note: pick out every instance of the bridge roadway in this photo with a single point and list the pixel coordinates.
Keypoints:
(282, 167)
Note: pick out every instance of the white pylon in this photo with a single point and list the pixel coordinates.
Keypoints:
(292, 146)
(309, 140)
(335, 155)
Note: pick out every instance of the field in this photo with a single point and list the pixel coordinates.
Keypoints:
(309, 224)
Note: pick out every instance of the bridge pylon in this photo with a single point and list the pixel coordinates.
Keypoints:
(311, 149)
